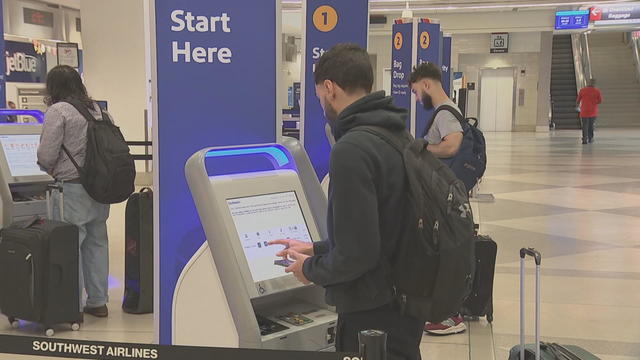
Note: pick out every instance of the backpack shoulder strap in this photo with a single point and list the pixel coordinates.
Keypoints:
(397, 140)
(452, 110)
(82, 109)
(87, 115)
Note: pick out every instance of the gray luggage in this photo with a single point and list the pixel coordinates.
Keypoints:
(541, 350)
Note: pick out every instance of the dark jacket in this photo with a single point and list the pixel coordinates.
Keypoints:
(367, 209)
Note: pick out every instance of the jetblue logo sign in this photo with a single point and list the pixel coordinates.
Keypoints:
(21, 62)
(24, 63)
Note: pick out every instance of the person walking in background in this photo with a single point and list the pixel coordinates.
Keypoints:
(64, 127)
(588, 100)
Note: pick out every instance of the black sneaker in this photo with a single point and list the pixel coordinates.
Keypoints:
(584, 142)
(100, 311)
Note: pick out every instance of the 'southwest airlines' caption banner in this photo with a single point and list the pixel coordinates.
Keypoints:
(211, 55)
(77, 349)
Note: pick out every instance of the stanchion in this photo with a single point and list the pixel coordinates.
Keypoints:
(373, 345)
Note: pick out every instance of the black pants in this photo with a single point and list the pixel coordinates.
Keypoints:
(404, 334)
(587, 128)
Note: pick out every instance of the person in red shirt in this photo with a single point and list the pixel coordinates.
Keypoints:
(588, 99)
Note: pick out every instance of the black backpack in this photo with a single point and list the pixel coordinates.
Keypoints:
(432, 267)
(470, 163)
(108, 174)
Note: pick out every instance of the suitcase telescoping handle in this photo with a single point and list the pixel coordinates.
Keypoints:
(538, 259)
(50, 189)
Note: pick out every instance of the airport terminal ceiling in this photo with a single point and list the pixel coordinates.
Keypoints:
(395, 6)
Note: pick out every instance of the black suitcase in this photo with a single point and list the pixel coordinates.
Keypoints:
(39, 275)
(480, 301)
(541, 350)
(138, 265)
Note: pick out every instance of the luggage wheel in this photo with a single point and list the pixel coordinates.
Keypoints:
(49, 332)
(75, 326)
(14, 322)
(490, 318)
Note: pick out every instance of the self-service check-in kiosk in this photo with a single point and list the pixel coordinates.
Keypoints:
(233, 293)
(23, 185)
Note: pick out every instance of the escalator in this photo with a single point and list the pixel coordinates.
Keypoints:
(563, 84)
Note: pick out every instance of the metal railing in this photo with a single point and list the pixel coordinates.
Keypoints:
(146, 156)
(581, 59)
(635, 48)
(37, 114)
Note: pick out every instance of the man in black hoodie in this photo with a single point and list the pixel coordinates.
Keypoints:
(367, 208)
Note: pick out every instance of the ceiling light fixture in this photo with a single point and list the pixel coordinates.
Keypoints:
(493, 6)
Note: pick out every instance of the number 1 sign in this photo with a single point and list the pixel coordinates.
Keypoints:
(327, 23)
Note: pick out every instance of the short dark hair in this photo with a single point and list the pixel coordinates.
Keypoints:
(348, 65)
(427, 70)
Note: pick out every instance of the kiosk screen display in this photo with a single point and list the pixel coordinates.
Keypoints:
(262, 218)
(21, 152)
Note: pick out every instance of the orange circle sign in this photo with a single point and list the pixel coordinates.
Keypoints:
(425, 40)
(325, 18)
(398, 41)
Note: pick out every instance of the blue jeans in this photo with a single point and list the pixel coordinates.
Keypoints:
(91, 218)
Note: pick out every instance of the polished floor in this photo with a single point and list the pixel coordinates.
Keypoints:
(579, 205)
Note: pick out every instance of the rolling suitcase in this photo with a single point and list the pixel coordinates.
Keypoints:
(138, 289)
(540, 350)
(39, 275)
(480, 301)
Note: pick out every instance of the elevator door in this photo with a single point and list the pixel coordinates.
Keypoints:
(496, 100)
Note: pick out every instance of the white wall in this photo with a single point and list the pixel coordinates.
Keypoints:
(526, 115)
(14, 20)
(290, 74)
(71, 35)
(381, 46)
(114, 61)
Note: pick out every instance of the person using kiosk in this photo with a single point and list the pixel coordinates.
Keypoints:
(367, 208)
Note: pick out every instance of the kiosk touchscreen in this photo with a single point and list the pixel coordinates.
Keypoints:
(257, 208)
(265, 306)
(23, 184)
(260, 219)
(21, 154)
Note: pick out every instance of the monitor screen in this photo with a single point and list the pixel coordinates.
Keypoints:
(262, 218)
(21, 152)
(570, 20)
(103, 104)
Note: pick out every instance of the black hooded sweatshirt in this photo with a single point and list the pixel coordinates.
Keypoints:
(367, 209)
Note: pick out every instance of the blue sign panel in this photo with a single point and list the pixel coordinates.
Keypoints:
(208, 52)
(328, 22)
(3, 80)
(446, 64)
(401, 66)
(429, 42)
(568, 20)
(24, 64)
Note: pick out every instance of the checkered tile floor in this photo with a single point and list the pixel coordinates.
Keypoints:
(579, 205)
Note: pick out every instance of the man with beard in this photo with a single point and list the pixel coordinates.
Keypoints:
(367, 212)
(444, 135)
(444, 132)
